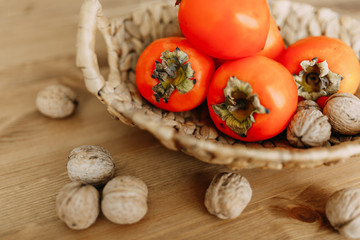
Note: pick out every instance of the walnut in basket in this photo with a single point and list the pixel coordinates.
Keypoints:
(308, 127)
(343, 111)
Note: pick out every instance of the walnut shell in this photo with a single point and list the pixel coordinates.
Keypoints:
(124, 200)
(56, 101)
(91, 165)
(228, 195)
(308, 127)
(77, 205)
(307, 104)
(343, 111)
(343, 212)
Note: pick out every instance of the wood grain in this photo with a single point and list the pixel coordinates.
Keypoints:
(37, 48)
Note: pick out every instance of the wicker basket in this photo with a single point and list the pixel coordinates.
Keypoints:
(192, 132)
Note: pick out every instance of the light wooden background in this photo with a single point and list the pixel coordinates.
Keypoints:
(37, 48)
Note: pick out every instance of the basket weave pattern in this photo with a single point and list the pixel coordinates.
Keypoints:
(192, 132)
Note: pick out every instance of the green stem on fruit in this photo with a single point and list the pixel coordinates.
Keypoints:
(316, 80)
(239, 107)
(173, 73)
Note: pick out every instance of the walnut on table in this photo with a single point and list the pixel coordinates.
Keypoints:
(343, 111)
(91, 165)
(228, 195)
(56, 101)
(343, 212)
(77, 205)
(124, 200)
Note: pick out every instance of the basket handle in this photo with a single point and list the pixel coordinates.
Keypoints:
(91, 17)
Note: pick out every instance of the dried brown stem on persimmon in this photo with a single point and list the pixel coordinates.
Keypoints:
(316, 80)
(239, 107)
(173, 73)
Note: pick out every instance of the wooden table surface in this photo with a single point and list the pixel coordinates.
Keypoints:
(37, 49)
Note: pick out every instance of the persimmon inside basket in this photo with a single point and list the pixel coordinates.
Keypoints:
(192, 132)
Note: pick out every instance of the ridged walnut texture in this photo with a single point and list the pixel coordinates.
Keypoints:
(192, 132)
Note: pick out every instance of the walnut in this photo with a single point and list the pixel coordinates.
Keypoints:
(91, 165)
(307, 104)
(228, 195)
(56, 101)
(309, 126)
(343, 111)
(124, 200)
(343, 212)
(77, 205)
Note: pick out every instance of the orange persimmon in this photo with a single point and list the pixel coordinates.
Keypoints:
(274, 45)
(322, 66)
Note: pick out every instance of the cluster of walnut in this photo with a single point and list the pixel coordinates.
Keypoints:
(124, 198)
(311, 126)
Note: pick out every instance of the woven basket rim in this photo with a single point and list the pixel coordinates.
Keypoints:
(233, 156)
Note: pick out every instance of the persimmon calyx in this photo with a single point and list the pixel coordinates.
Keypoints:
(239, 107)
(316, 80)
(173, 72)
